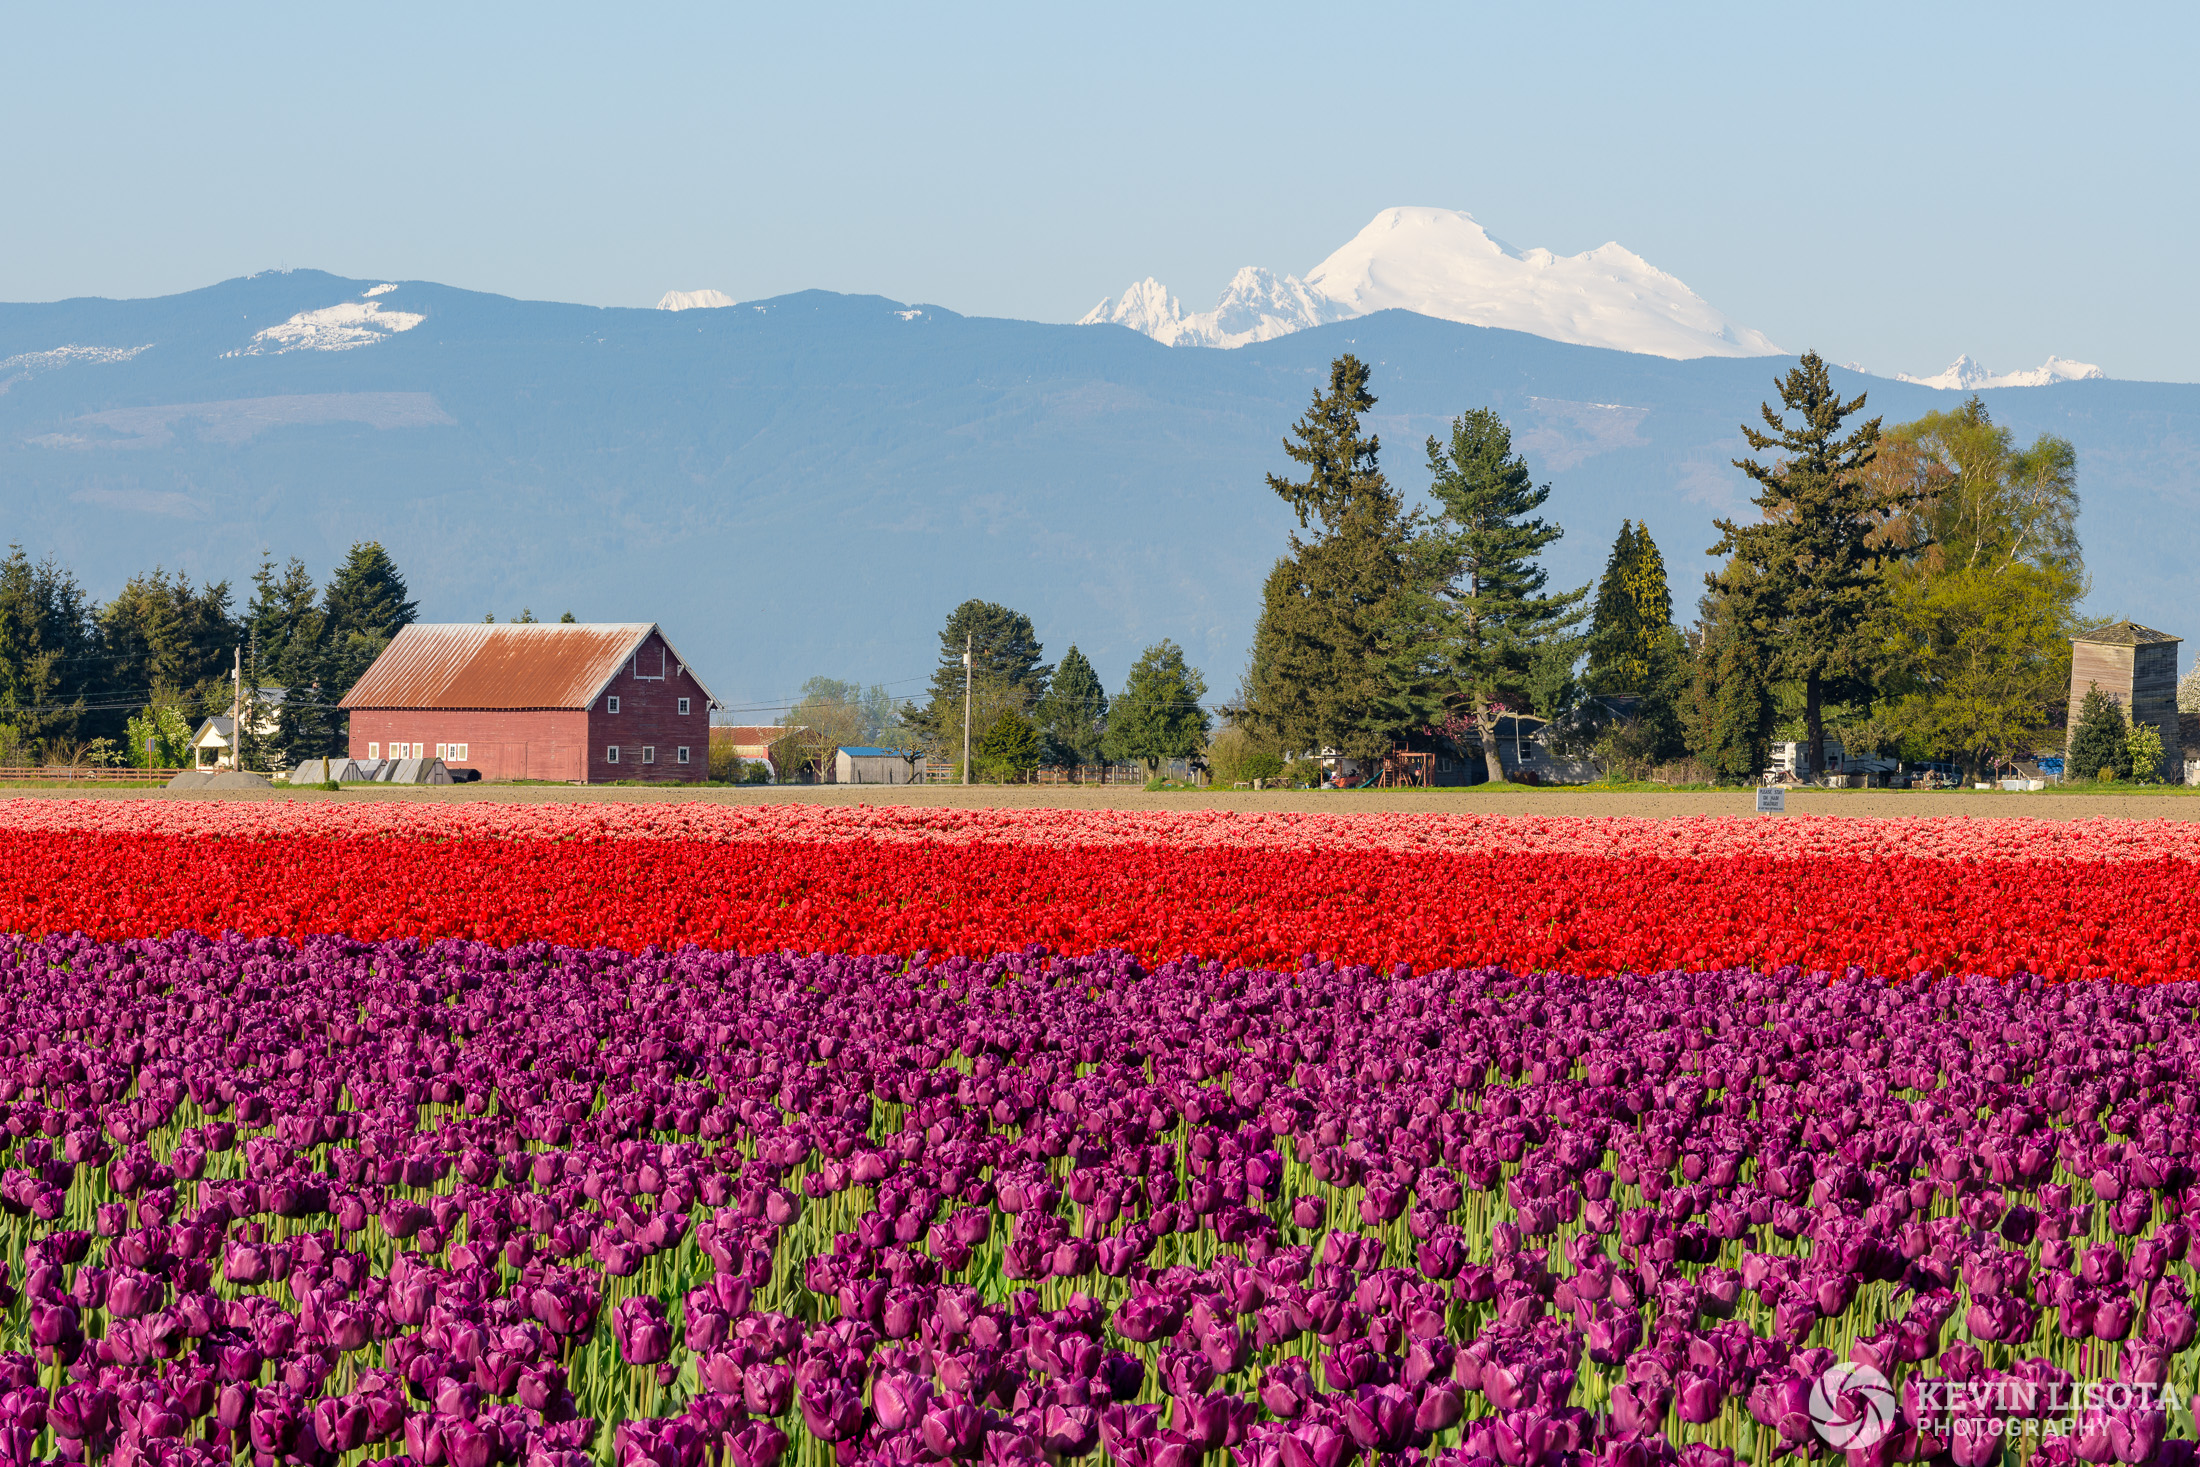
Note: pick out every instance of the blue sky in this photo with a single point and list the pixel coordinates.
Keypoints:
(1890, 184)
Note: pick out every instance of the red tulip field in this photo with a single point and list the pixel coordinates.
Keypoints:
(674, 1135)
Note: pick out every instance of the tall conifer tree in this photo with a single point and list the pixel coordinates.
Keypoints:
(1808, 586)
(1340, 656)
(1073, 716)
(1631, 633)
(1006, 671)
(1498, 615)
(365, 605)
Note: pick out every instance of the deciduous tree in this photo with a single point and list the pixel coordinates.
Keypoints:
(1158, 715)
(1986, 604)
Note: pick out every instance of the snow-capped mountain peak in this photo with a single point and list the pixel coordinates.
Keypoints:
(1146, 307)
(694, 300)
(1257, 305)
(1966, 375)
(1440, 262)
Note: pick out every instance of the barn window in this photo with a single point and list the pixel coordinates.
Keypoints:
(374, 751)
(458, 751)
(683, 707)
(442, 751)
(611, 755)
(611, 704)
(649, 753)
(680, 755)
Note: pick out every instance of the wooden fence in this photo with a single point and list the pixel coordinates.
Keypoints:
(940, 771)
(84, 774)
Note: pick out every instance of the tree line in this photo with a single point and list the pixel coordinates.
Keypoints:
(128, 680)
(1022, 712)
(1909, 591)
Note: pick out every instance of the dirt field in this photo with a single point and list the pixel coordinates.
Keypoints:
(1481, 800)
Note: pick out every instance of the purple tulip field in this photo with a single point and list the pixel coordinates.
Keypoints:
(455, 1204)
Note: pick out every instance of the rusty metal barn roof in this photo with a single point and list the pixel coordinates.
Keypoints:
(502, 665)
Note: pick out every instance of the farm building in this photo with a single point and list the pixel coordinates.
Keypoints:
(213, 746)
(2137, 666)
(861, 764)
(580, 703)
(747, 741)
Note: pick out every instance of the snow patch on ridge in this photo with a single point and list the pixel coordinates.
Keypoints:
(25, 365)
(694, 300)
(1441, 263)
(332, 328)
(1966, 375)
(62, 356)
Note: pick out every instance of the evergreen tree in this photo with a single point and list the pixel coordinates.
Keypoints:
(1497, 613)
(1158, 715)
(1009, 751)
(169, 642)
(1341, 656)
(33, 716)
(1004, 653)
(1635, 650)
(1809, 586)
(1073, 716)
(1631, 630)
(284, 625)
(282, 611)
(365, 606)
(2100, 746)
(1729, 713)
(368, 594)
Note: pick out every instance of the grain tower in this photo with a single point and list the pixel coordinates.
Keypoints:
(2137, 666)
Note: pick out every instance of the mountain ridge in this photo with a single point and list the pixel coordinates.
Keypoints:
(807, 484)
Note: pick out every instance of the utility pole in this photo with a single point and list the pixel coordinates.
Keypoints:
(236, 707)
(967, 644)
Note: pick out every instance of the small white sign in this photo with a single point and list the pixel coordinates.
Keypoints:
(1772, 801)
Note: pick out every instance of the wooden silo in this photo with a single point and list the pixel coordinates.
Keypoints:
(2137, 666)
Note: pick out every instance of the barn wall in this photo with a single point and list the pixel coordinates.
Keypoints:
(2102, 664)
(649, 716)
(2154, 683)
(546, 743)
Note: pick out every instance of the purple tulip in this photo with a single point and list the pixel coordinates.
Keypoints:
(953, 1431)
(1312, 1444)
(900, 1400)
(766, 1389)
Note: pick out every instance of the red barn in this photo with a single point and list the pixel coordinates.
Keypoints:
(577, 702)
